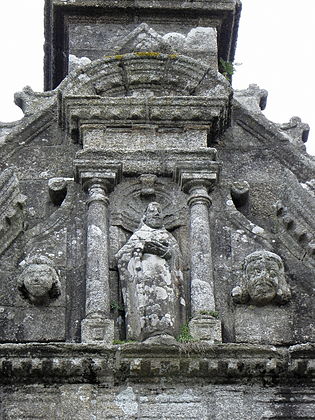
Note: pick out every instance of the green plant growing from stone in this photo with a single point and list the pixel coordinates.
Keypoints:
(227, 68)
(184, 335)
(124, 341)
(214, 314)
(115, 306)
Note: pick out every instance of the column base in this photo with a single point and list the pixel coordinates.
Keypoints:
(97, 329)
(206, 328)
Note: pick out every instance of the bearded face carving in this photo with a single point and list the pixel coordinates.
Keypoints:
(263, 280)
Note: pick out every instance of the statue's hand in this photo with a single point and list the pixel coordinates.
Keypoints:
(158, 248)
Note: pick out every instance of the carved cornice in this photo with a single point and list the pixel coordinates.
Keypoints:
(126, 111)
(138, 162)
(144, 363)
(11, 208)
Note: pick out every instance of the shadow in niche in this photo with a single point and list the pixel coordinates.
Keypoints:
(240, 196)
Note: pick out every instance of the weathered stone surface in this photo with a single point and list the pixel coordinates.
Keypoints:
(206, 328)
(297, 131)
(253, 98)
(144, 116)
(264, 325)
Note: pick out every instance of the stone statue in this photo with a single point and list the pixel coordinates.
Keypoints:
(151, 279)
(263, 281)
(39, 281)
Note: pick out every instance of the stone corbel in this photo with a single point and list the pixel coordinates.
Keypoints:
(98, 183)
(197, 182)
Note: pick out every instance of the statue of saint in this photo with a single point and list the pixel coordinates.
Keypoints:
(151, 279)
(263, 281)
(39, 281)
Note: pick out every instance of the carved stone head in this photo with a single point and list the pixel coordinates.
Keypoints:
(39, 280)
(263, 281)
(153, 215)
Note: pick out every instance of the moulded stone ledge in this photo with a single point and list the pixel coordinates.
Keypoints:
(193, 362)
(126, 111)
(137, 162)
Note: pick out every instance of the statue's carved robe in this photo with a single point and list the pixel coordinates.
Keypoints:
(152, 286)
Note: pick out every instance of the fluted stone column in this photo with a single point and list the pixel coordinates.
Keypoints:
(97, 325)
(197, 183)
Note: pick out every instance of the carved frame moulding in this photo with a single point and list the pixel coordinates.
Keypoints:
(11, 208)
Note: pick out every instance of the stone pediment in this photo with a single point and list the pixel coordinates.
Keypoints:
(200, 43)
(143, 38)
(136, 88)
(146, 74)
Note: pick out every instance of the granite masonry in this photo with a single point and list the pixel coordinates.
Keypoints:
(157, 245)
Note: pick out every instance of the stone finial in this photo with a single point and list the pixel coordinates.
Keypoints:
(30, 101)
(253, 98)
(263, 280)
(39, 280)
(296, 130)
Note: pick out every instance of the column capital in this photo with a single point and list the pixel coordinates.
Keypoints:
(93, 172)
(97, 190)
(197, 178)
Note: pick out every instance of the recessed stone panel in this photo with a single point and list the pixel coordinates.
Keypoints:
(264, 325)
